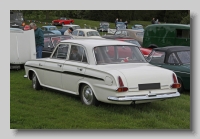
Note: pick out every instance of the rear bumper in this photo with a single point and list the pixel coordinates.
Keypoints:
(144, 97)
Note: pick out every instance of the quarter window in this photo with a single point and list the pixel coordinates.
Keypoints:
(173, 59)
(61, 51)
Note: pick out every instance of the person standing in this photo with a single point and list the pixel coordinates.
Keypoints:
(39, 39)
(116, 22)
(126, 23)
(153, 21)
(69, 31)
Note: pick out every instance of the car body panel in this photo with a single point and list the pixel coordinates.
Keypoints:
(163, 35)
(51, 29)
(62, 21)
(68, 75)
(182, 70)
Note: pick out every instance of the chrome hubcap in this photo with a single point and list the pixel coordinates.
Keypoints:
(87, 95)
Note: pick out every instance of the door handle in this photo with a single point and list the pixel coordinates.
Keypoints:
(80, 69)
(40, 64)
(60, 65)
(160, 65)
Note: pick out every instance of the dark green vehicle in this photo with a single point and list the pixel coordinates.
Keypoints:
(175, 58)
(161, 35)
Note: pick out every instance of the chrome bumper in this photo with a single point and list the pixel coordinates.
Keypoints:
(145, 97)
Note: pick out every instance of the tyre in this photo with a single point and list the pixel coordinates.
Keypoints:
(35, 83)
(181, 89)
(87, 96)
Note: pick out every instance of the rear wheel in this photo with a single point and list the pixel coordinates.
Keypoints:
(87, 96)
(35, 83)
(180, 90)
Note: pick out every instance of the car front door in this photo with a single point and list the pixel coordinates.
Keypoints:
(54, 65)
(74, 69)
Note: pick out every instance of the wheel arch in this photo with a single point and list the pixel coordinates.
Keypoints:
(85, 83)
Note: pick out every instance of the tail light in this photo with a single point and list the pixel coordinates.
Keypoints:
(175, 84)
(121, 86)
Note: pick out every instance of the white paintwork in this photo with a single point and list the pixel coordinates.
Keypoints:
(105, 87)
(85, 32)
(22, 46)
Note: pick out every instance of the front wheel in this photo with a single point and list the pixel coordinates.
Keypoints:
(87, 96)
(35, 83)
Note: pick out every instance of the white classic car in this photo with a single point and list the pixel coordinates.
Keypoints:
(86, 33)
(108, 71)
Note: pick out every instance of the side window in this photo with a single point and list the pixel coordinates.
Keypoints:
(61, 51)
(55, 41)
(183, 33)
(75, 32)
(47, 43)
(157, 57)
(124, 33)
(77, 53)
(118, 33)
(81, 33)
(173, 59)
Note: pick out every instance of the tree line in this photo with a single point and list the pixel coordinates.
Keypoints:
(168, 16)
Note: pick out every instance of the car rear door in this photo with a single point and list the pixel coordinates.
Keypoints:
(73, 70)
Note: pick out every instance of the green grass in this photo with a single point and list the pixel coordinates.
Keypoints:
(50, 109)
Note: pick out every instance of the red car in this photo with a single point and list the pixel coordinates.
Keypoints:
(145, 51)
(62, 21)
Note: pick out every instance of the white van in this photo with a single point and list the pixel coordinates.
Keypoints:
(22, 47)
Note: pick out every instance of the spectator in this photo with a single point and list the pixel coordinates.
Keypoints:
(68, 31)
(74, 54)
(116, 22)
(156, 22)
(126, 23)
(153, 21)
(39, 39)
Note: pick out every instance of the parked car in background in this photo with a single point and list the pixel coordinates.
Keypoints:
(138, 26)
(46, 33)
(27, 27)
(175, 58)
(161, 35)
(135, 34)
(65, 27)
(103, 26)
(86, 33)
(94, 70)
(51, 41)
(51, 29)
(62, 21)
(145, 51)
(120, 25)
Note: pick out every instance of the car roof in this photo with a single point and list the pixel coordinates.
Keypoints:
(96, 42)
(171, 49)
(118, 37)
(84, 29)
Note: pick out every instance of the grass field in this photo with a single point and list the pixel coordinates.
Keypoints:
(50, 109)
